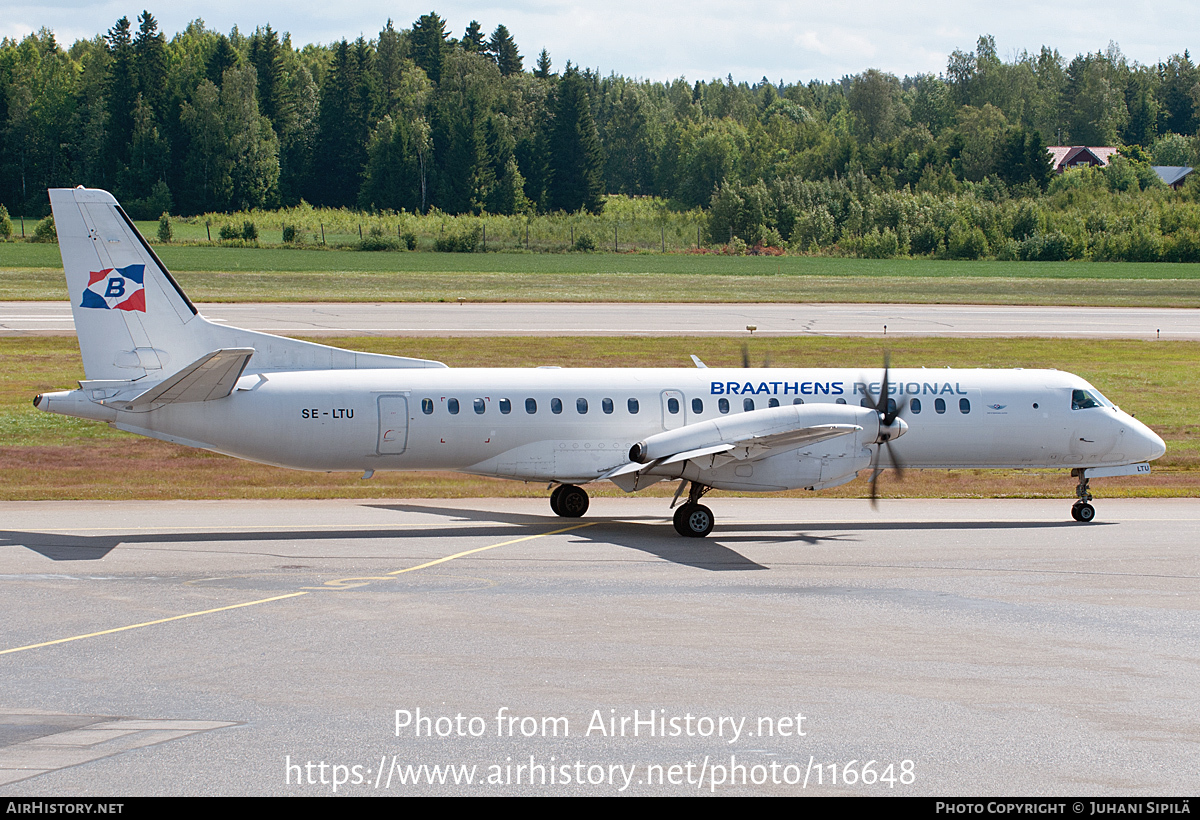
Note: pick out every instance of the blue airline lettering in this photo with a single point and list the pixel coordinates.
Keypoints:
(773, 388)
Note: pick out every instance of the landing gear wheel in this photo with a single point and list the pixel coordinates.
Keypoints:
(1083, 512)
(693, 520)
(554, 496)
(572, 501)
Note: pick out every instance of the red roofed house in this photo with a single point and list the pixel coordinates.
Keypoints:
(1072, 156)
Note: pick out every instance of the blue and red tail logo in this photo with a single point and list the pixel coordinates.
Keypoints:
(116, 289)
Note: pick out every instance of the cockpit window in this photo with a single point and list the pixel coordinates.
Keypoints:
(1083, 399)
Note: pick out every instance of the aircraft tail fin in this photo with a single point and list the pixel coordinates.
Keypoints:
(133, 319)
(122, 296)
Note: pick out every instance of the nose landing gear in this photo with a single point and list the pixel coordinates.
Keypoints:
(1082, 511)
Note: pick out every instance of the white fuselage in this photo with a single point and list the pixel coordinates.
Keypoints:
(574, 425)
(156, 367)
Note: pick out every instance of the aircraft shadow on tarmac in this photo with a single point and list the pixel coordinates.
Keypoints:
(648, 534)
(712, 553)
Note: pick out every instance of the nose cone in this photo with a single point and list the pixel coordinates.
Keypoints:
(1144, 444)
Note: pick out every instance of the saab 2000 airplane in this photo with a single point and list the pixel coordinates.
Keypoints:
(156, 367)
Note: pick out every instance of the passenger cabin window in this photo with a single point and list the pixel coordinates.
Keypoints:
(723, 405)
(915, 404)
(747, 404)
(839, 401)
(556, 406)
(427, 406)
(531, 406)
(452, 406)
(697, 406)
(964, 406)
(607, 406)
(581, 406)
(673, 406)
(797, 401)
(773, 402)
(633, 407)
(939, 406)
(505, 406)
(479, 406)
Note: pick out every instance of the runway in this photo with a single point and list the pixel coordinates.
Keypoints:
(569, 319)
(946, 647)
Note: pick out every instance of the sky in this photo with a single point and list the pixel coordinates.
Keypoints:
(794, 41)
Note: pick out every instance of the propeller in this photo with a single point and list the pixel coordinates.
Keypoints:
(746, 357)
(889, 412)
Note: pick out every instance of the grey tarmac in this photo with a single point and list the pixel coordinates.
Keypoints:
(640, 319)
(229, 647)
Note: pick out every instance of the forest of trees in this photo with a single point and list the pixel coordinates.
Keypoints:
(416, 119)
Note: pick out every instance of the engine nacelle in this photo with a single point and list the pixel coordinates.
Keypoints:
(815, 466)
(756, 423)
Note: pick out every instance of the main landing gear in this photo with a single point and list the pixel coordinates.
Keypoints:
(569, 501)
(1082, 511)
(693, 519)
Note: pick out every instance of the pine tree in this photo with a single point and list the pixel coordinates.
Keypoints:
(429, 44)
(223, 58)
(150, 57)
(341, 131)
(389, 59)
(267, 59)
(472, 40)
(1178, 77)
(543, 66)
(574, 158)
(504, 51)
(121, 93)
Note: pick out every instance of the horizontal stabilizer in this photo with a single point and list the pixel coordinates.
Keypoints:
(210, 377)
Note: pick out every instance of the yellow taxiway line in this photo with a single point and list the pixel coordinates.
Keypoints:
(339, 584)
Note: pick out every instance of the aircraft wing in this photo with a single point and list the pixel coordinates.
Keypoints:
(746, 436)
(210, 377)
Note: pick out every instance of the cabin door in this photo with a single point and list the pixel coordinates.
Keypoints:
(393, 425)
